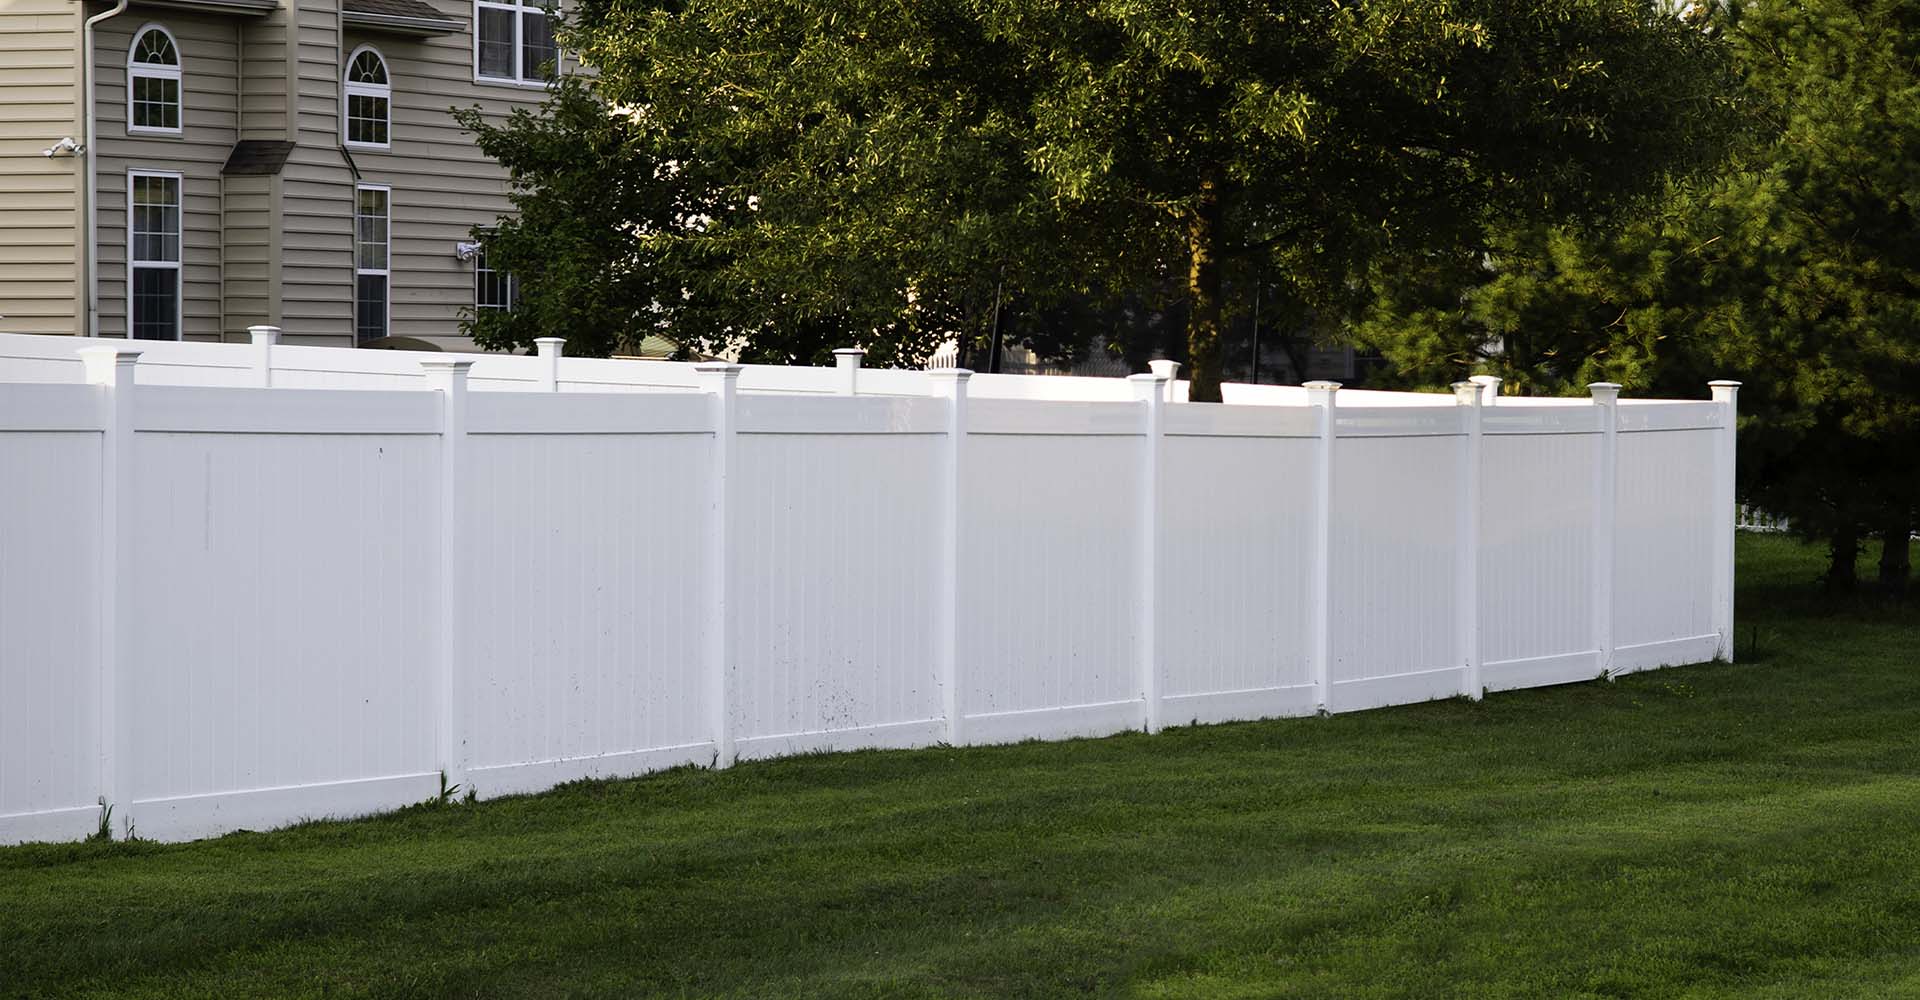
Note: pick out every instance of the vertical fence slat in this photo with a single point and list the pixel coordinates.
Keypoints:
(1467, 543)
(1151, 392)
(722, 382)
(449, 377)
(1606, 480)
(1320, 395)
(951, 383)
(112, 368)
(1727, 394)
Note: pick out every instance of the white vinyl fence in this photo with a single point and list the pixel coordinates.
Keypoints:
(225, 606)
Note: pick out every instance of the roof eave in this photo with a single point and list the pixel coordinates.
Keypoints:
(423, 27)
(247, 8)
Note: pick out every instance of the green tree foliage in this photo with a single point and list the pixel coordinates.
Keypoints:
(1797, 270)
(847, 169)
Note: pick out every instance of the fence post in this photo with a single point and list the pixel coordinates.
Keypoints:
(847, 361)
(1320, 395)
(1467, 579)
(449, 376)
(1169, 370)
(1151, 392)
(549, 348)
(1727, 394)
(263, 338)
(112, 369)
(1606, 401)
(722, 382)
(951, 383)
(1489, 388)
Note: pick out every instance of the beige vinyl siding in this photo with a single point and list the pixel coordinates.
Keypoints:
(210, 116)
(443, 186)
(316, 187)
(247, 215)
(316, 259)
(263, 68)
(40, 252)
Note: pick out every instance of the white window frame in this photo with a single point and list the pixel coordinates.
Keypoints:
(386, 306)
(480, 263)
(518, 7)
(149, 71)
(350, 90)
(179, 275)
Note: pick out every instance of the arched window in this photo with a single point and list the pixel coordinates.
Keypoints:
(369, 95)
(153, 82)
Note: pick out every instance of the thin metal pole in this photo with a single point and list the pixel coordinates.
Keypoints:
(1257, 289)
(993, 348)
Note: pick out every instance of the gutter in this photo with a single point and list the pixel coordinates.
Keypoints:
(92, 186)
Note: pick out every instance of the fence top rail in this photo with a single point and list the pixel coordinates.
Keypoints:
(51, 407)
(48, 358)
(229, 410)
(527, 413)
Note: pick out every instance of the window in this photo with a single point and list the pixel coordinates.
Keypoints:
(513, 41)
(372, 243)
(153, 82)
(492, 290)
(369, 99)
(153, 257)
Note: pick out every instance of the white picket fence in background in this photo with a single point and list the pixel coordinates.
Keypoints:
(1751, 518)
(227, 603)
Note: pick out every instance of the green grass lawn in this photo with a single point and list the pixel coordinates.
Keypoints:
(1716, 831)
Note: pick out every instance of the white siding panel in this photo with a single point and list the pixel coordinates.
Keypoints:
(1665, 552)
(833, 582)
(1235, 573)
(1047, 564)
(49, 653)
(1393, 582)
(273, 657)
(1536, 534)
(582, 624)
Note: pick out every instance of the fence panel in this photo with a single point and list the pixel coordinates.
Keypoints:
(580, 602)
(1537, 550)
(1238, 536)
(282, 581)
(1664, 561)
(834, 573)
(1394, 550)
(1048, 517)
(50, 449)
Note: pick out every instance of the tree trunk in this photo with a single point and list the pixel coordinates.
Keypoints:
(1203, 297)
(1896, 550)
(1843, 558)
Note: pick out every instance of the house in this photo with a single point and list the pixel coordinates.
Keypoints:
(291, 163)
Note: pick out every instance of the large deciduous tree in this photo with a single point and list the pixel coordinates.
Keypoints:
(1796, 269)
(878, 171)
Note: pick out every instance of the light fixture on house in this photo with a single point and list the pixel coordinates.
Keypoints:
(466, 249)
(65, 147)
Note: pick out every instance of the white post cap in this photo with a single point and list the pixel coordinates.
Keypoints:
(1148, 385)
(102, 362)
(1604, 392)
(263, 334)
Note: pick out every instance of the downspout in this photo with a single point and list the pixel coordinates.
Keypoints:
(92, 186)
